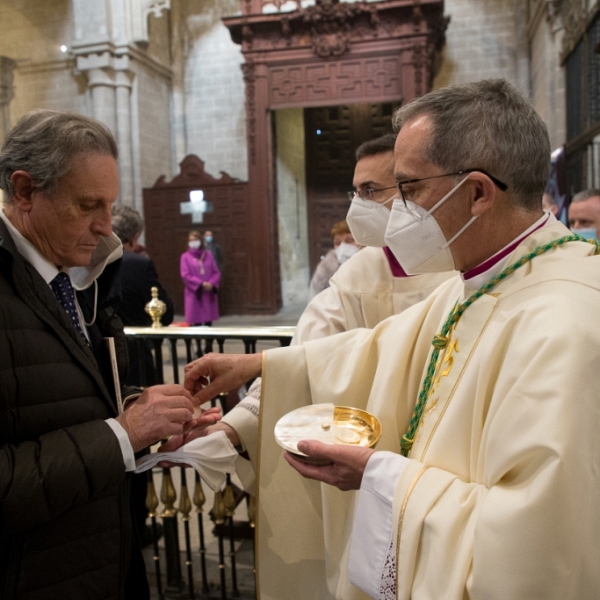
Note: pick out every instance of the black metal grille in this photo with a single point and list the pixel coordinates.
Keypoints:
(575, 115)
(583, 110)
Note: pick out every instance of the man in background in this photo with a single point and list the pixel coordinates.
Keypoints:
(138, 277)
(214, 249)
(584, 214)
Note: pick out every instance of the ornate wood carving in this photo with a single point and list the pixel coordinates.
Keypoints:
(576, 17)
(360, 80)
(167, 229)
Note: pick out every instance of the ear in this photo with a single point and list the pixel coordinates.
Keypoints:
(484, 193)
(23, 190)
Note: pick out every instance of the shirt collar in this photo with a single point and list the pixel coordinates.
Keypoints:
(484, 272)
(108, 250)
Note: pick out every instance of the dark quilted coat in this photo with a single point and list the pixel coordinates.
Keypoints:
(65, 524)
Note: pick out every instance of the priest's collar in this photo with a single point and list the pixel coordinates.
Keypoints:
(489, 268)
(395, 268)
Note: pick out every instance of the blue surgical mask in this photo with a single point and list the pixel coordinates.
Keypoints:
(208, 239)
(589, 233)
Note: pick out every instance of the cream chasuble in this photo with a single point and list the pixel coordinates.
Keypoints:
(500, 496)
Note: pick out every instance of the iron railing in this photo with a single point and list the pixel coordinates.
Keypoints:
(171, 349)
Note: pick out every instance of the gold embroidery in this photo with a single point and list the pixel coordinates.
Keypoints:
(401, 519)
(448, 359)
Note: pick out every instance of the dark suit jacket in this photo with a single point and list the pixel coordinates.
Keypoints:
(138, 276)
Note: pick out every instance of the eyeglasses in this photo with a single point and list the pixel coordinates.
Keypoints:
(502, 186)
(367, 194)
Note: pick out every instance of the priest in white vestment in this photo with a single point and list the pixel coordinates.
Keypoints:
(486, 481)
(366, 289)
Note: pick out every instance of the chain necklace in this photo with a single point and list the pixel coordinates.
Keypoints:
(440, 341)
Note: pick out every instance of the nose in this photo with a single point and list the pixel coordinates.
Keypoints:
(102, 223)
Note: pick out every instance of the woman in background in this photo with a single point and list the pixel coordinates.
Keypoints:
(201, 279)
(344, 247)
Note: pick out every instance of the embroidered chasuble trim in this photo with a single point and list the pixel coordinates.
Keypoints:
(440, 340)
(409, 491)
(257, 474)
(458, 379)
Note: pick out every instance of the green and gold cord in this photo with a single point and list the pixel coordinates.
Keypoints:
(440, 340)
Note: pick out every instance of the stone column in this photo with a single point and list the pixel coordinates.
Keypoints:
(102, 86)
(7, 92)
(123, 133)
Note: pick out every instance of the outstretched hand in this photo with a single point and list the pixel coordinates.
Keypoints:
(343, 465)
(213, 374)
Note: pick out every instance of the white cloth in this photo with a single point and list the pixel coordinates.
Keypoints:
(212, 456)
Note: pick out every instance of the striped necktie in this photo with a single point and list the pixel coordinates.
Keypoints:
(63, 290)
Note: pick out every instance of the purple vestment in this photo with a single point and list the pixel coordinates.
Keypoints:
(198, 266)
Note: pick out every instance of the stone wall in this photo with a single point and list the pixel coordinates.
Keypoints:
(209, 93)
(548, 85)
(485, 39)
(32, 35)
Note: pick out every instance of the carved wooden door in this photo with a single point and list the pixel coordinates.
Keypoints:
(332, 135)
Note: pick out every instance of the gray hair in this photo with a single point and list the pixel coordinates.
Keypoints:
(585, 195)
(126, 222)
(486, 125)
(44, 143)
(379, 145)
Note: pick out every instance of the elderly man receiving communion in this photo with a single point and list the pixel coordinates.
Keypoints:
(485, 482)
(66, 448)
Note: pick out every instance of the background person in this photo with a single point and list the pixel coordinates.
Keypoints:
(201, 280)
(584, 214)
(65, 451)
(213, 248)
(138, 277)
(344, 247)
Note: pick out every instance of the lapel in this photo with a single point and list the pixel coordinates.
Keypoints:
(40, 299)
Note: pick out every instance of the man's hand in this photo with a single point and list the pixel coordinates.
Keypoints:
(345, 464)
(216, 373)
(161, 411)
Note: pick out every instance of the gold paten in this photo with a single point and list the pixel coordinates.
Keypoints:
(342, 425)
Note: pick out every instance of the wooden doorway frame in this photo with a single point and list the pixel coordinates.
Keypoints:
(327, 54)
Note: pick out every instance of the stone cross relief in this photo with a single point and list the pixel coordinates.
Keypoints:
(196, 207)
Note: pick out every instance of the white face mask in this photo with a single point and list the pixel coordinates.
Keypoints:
(416, 240)
(345, 251)
(194, 244)
(367, 220)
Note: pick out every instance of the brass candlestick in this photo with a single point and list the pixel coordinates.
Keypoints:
(155, 308)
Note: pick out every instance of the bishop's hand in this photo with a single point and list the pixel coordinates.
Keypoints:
(344, 466)
(214, 374)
